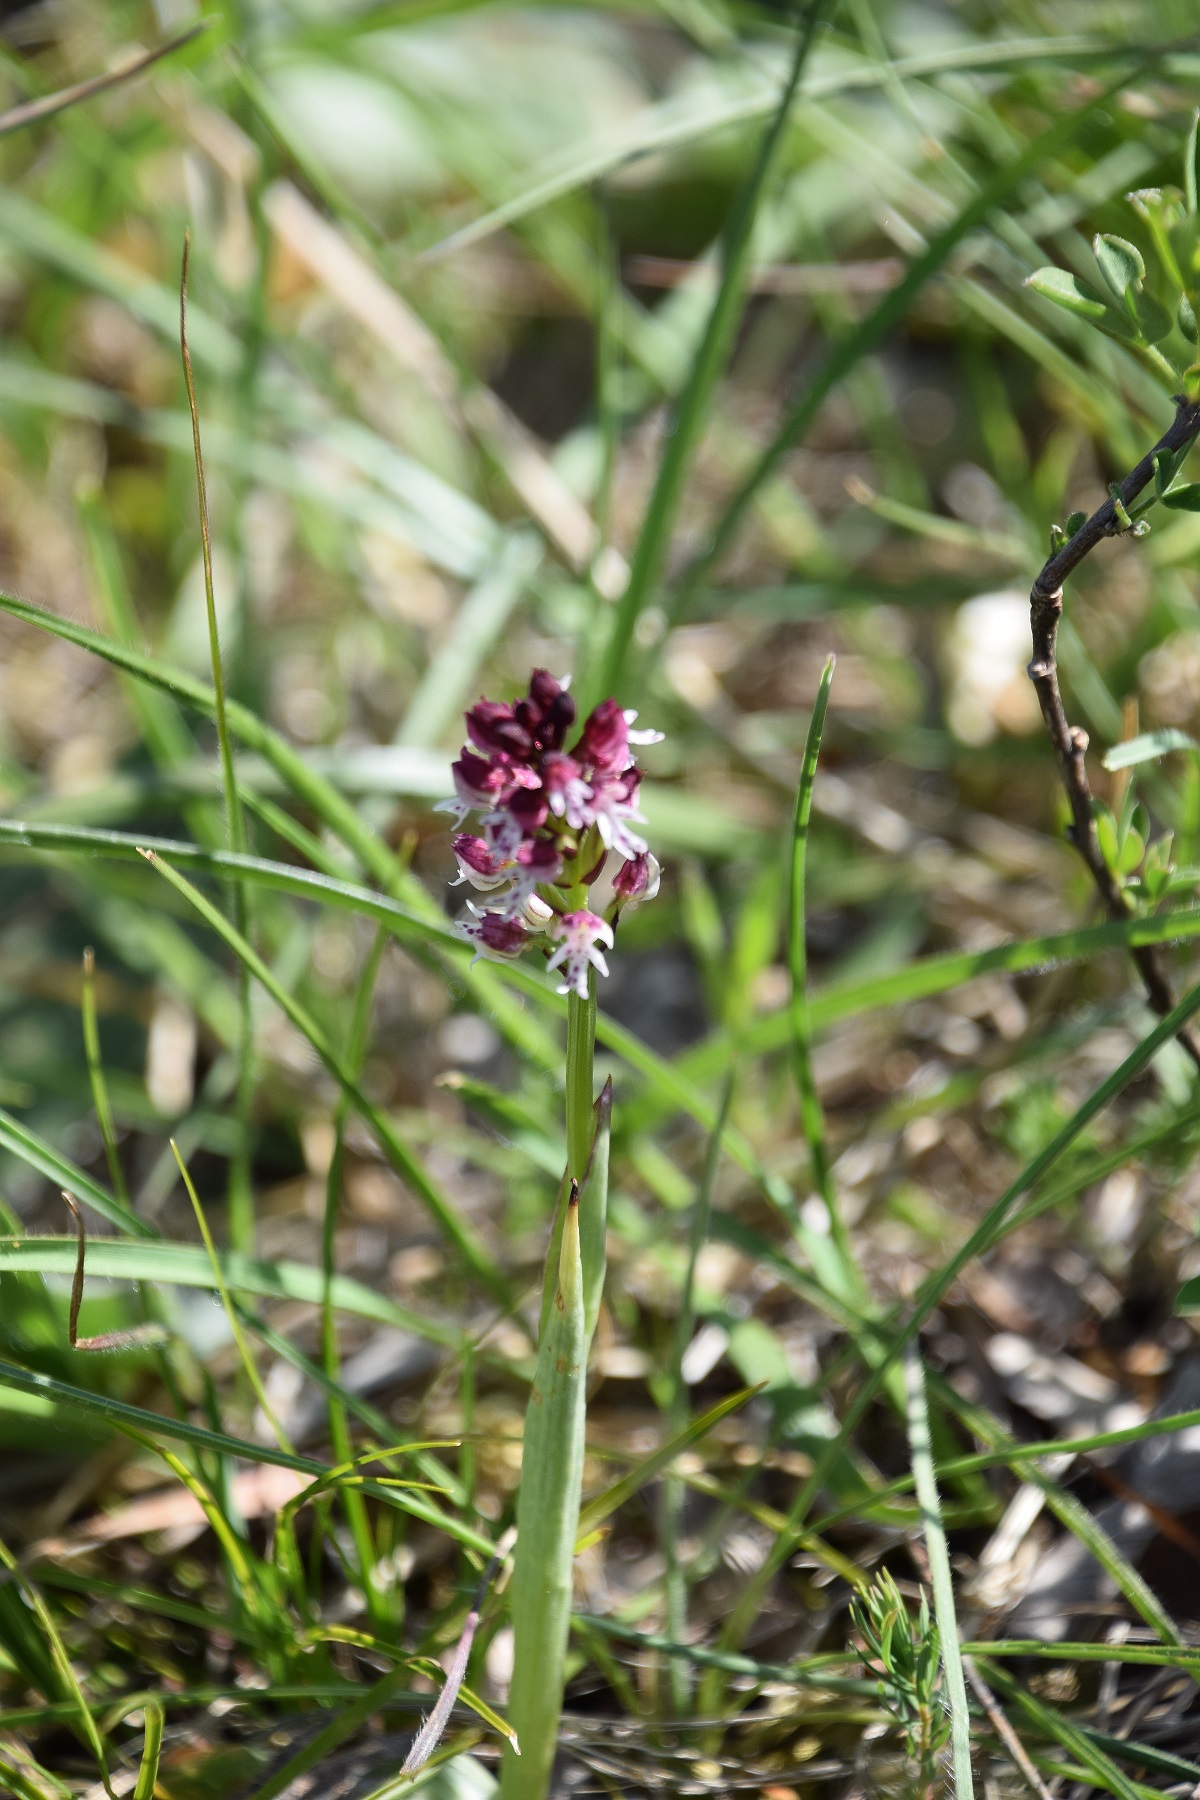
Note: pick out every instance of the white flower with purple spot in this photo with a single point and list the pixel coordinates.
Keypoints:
(580, 936)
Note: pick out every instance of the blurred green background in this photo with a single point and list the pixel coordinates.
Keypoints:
(450, 265)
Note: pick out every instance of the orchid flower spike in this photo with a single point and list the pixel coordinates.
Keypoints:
(550, 815)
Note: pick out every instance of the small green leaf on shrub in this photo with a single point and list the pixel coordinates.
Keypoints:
(1191, 166)
(1106, 833)
(1166, 467)
(1121, 265)
(1147, 747)
(1132, 851)
(1068, 291)
(1153, 319)
(1185, 318)
(1184, 499)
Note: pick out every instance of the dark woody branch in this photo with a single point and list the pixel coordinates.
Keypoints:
(1071, 741)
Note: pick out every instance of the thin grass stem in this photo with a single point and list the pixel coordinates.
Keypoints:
(921, 1452)
(692, 407)
(671, 1513)
(339, 1431)
(811, 1112)
(235, 1325)
(95, 1067)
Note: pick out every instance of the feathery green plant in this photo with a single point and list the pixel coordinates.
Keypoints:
(905, 1654)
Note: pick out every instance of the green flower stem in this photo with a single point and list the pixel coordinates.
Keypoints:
(552, 1465)
(547, 1524)
(581, 1051)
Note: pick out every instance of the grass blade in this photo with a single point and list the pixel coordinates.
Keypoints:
(136, 1421)
(241, 1199)
(233, 806)
(25, 1143)
(100, 1099)
(1063, 1731)
(603, 1505)
(392, 1144)
(921, 1450)
(188, 1265)
(63, 1666)
(477, 624)
(672, 123)
(692, 406)
(151, 1751)
(811, 1114)
(32, 112)
(227, 1306)
(867, 336)
(936, 1285)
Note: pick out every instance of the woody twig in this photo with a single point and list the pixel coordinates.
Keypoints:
(1071, 741)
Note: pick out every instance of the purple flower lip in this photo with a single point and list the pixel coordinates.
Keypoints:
(497, 934)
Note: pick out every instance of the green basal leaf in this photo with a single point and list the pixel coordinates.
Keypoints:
(1066, 290)
(1121, 265)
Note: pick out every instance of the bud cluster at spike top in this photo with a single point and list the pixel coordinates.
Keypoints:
(550, 816)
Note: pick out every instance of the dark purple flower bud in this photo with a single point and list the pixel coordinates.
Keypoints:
(477, 854)
(636, 879)
(479, 782)
(547, 712)
(479, 863)
(498, 935)
(544, 690)
(492, 726)
(604, 744)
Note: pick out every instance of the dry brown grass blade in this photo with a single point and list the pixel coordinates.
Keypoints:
(137, 1337)
(31, 112)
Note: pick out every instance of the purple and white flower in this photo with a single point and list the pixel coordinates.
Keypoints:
(549, 818)
(579, 936)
